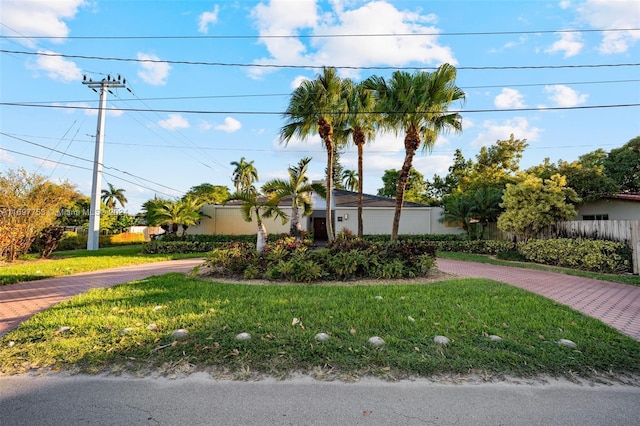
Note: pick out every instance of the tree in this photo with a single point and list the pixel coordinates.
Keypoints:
(314, 106)
(623, 166)
(112, 195)
(208, 193)
(415, 190)
(473, 209)
(350, 180)
(532, 204)
(416, 104)
(244, 175)
(29, 203)
(261, 207)
(458, 209)
(298, 188)
(337, 169)
(359, 123)
(171, 215)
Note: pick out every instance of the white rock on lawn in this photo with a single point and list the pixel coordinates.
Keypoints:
(243, 336)
(322, 337)
(378, 297)
(376, 341)
(441, 340)
(63, 329)
(179, 334)
(152, 327)
(125, 330)
(567, 343)
(495, 338)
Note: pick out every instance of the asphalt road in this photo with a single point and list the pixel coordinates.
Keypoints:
(201, 400)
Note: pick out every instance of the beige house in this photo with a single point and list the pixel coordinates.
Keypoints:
(612, 207)
(378, 214)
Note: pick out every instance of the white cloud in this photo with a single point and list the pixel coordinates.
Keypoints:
(39, 17)
(174, 122)
(564, 4)
(564, 96)
(494, 131)
(298, 81)
(509, 98)
(154, 73)
(205, 125)
(230, 125)
(570, 43)
(608, 14)
(56, 68)
(207, 18)
(5, 157)
(292, 18)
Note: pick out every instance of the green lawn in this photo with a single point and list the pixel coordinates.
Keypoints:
(75, 261)
(465, 310)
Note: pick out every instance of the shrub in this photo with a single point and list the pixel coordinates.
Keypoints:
(589, 255)
(47, 241)
(122, 239)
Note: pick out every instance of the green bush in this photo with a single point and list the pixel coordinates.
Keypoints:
(588, 255)
(493, 247)
(170, 247)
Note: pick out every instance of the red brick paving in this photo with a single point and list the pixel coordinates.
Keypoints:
(617, 305)
(19, 302)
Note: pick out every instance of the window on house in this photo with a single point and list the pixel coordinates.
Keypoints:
(595, 217)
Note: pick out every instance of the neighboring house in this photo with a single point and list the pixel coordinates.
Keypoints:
(612, 207)
(377, 214)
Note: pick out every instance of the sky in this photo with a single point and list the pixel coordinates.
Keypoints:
(207, 82)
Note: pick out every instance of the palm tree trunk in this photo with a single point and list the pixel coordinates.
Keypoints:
(295, 229)
(411, 144)
(262, 237)
(360, 144)
(326, 131)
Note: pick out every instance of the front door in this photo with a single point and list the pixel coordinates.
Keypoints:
(320, 229)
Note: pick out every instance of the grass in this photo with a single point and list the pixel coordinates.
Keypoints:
(480, 258)
(465, 310)
(75, 261)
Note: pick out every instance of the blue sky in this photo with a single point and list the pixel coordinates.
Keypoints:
(211, 96)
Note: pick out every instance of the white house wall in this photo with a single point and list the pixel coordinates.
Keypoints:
(616, 209)
(379, 221)
(227, 220)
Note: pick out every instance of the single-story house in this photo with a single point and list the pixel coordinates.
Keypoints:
(611, 207)
(377, 215)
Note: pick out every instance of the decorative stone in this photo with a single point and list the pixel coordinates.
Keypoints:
(495, 338)
(410, 318)
(243, 336)
(378, 297)
(12, 344)
(63, 329)
(567, 343)
(295, 321)
(353, 331)
(157, 308)
(179, 334)
(152, 327)
(376, 341)
(125, 330)
(322, 337)
(441, 340)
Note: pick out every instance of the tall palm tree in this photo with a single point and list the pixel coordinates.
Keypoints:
(350, 179)
(298, 188)
(359, 123)
(416, 104)
(173, 214)
(314, 106)
(255, 205)
(113, 194)
(244, 175)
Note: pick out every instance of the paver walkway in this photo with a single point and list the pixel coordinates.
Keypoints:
(617, 305)
(20, 301)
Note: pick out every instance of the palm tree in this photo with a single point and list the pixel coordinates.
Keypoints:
(458, 209)
(314, 106)
(244, 175)
(113, 194)
(350, 179)
(416, 104)
(298, 188)
(258, 206)
(173, 214)
(360, 124)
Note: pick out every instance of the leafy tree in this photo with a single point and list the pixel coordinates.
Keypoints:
(473, 209)
(244, 175)
(208, 193)
(112, 195)
(337, 168)
(416, 189)
(261, 207)
(458, 209)
(314, 106)
(299, 189)
(172, 215)
(416, 104)
(29, 203)
(533, 203)
(350, 180)
(623, 166)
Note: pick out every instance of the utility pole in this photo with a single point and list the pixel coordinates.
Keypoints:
(104, 85)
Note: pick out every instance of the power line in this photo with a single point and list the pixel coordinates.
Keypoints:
(202, 112)
(231, 64)
(312, 36)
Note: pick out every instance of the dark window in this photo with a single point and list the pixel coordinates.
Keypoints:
(595, 217)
